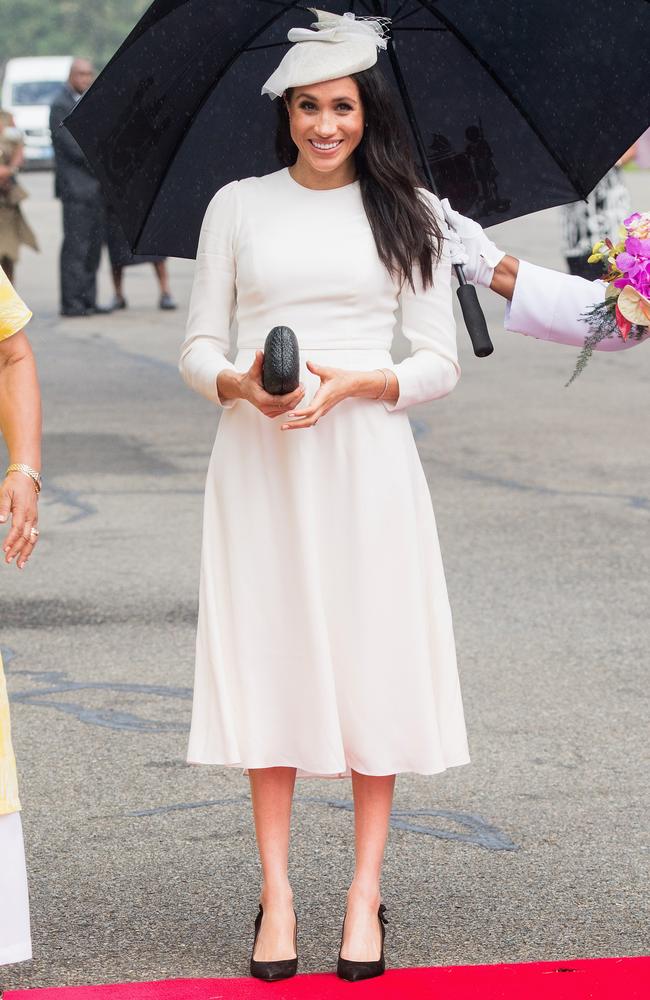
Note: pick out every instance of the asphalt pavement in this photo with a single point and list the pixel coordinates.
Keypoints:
(142, 867)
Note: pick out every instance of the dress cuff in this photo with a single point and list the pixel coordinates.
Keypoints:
(422, 378)
(205, 381)
(533, 286)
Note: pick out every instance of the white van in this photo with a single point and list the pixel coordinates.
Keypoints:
(28, 88)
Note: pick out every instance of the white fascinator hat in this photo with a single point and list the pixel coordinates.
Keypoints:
(336, 45)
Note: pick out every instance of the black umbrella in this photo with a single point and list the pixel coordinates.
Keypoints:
(514, 105)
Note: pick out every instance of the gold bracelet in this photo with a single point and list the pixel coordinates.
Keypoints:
(27, 471)
(384, 372)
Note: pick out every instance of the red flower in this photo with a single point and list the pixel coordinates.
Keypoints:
(622, 323)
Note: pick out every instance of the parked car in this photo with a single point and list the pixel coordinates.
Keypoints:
(29, 86)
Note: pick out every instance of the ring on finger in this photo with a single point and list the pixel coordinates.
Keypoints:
(34, 533)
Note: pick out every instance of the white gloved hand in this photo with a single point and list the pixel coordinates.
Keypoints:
(457, 252)
(481, 256)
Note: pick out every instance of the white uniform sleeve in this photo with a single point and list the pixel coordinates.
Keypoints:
(212, 302)
(432, 370)
(548, 305)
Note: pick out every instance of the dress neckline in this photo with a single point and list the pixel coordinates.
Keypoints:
(343, 187)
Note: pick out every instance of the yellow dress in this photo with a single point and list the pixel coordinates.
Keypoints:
(14, 315)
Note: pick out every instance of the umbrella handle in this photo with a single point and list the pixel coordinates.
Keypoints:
(473, 315)
(472, 312)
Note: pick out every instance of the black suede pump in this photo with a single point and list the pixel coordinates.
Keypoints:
(355, 971)
(270, 971)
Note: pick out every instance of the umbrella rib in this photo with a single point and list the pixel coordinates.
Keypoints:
(399, 10)
(242, 48)
(396, 19)
(511, 97)
(271, 45)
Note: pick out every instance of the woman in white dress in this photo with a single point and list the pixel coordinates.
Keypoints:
(20, 425)
(325, 643)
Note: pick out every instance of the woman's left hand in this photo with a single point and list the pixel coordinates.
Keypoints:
(336, 384)
(19, 498)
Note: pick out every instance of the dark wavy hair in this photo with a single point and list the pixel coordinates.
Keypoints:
(403, 224)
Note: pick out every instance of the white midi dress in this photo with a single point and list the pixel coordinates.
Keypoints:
(325, 637)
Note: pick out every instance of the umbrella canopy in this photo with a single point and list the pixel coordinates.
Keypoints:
(516, 106)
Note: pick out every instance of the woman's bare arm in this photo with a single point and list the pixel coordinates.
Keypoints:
(20, 425)
(505, 277)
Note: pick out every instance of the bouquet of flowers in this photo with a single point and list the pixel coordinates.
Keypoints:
(626, 309)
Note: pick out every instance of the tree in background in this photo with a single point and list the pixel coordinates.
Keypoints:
(92, 28)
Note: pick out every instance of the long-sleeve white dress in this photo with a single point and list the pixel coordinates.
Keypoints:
(325, 637)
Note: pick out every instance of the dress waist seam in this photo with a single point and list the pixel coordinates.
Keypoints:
(319, 347)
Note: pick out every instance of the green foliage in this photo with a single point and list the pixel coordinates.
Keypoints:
(91, 28)
(602, 323)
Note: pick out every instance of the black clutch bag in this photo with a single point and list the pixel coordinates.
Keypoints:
(281, 371)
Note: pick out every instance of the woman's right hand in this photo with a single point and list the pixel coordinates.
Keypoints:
(248, 386)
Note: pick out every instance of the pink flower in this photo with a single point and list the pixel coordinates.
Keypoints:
(637, 247)
(638, 225)
(634, 265)
(625, 261)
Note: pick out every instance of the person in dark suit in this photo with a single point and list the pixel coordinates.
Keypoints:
(82, 201)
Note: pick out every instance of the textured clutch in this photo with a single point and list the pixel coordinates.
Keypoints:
(281, 371)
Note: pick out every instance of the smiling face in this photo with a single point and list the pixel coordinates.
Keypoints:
(326, 121)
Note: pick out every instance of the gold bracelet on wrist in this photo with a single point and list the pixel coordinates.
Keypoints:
(27, 471)
(384, 372)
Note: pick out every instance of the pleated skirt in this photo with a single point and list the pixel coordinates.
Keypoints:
(325, 638)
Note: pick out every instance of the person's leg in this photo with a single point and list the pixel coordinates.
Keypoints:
(160, 267)
(373, 800)
(73, 268)
(117, 274)
(271, 794)
(166, 298)
(94, 237)
(83, 236)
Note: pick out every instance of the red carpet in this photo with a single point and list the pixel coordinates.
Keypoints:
(579, 979)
